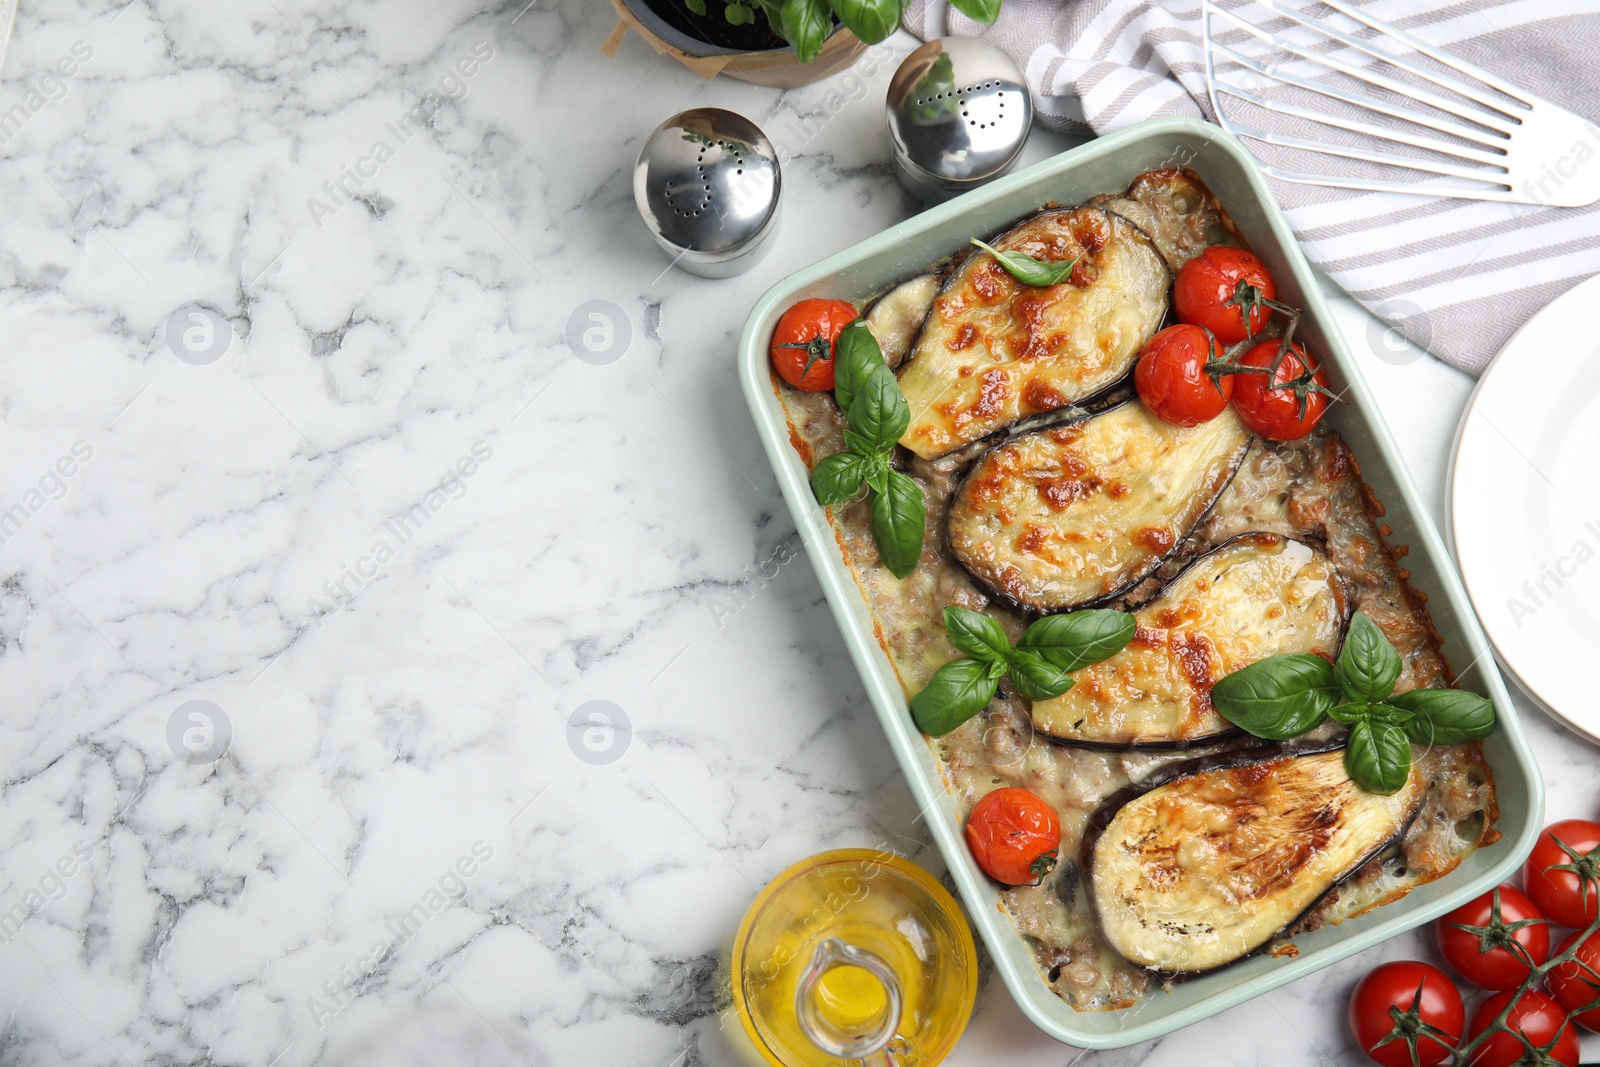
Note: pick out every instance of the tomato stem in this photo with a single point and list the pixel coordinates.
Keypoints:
(1497, 933)
(1042, 865)
(1410, 1027)
(817, 350)
(1586, 865)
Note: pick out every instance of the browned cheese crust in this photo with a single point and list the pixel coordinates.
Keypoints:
(993, 350)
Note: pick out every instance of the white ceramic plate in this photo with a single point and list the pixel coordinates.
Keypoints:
(1525, 506)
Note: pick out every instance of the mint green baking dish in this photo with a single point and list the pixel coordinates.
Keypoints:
(1107, 165)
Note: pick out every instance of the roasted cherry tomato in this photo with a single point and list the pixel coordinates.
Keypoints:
(1014, 836)
(1409, 1003)
(1295, 401)
(1537, 1018)
(802, 345)
(1484, 954)
(1565, 884)
(1172, 378)
(1208, 282)
(1576, 984)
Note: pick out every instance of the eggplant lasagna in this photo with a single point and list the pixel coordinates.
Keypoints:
(1049, 487)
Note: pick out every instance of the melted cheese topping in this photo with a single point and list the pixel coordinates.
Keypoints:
(1062, 517)
(1203, 870)
(994, 350)
(1257, 596)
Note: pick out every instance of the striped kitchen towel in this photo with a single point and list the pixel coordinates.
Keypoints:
(1456, 276)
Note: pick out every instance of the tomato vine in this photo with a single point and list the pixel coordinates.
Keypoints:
(1587, 867)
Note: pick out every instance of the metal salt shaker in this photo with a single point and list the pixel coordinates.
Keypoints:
(959, 112)
(708, 185)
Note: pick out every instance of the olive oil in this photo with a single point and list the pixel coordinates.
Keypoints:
(851, 949)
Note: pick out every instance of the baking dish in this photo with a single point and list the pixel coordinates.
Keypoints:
(1108, 165)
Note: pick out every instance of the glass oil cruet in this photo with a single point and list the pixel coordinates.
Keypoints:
(854, 957)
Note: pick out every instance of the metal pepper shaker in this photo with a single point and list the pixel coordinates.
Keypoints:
(959, 112)
(707, 184)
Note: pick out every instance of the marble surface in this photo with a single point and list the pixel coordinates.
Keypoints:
(316, 535)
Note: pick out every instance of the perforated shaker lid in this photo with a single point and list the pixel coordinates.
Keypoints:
(707, 183)
(959, 110)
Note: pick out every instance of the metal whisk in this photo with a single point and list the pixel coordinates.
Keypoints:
(1388, 112)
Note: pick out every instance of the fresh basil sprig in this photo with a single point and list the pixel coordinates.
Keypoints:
(1029, 271)
(1039, 666)
(877, 414)
(1284, 696)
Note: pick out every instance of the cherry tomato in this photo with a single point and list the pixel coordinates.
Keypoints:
(1575, 986)
(1417, 1004)
(1537, 1018)
(1172, 377)
(1566, 896)
(1484, 954)
(802, 345)
(1014, 836)
(1276, 412)
(1207, 283)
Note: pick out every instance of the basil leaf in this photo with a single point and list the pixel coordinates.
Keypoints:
(956, 692)
(738, 15)
(1029, 271)
(870, 20)
(1036, 677)
(1388, 713)
(878, 415)
(1368, 664)
(985, 11)
(806, 25)
(1378, 757)
(1350, 714)
(1079, 638)
(1279, 697)
(877, 472)
(1445, 716)
(856, 357)
(697, 6)
(898, 517)
(976, 634)
(838, 478)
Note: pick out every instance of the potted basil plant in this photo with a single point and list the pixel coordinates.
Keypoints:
(807, 24)
(781, 43)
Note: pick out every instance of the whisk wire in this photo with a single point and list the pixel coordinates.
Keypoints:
(1439, 128)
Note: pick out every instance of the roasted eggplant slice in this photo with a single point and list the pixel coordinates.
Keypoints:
(993, 350)
(1063, 517)
(1179, 213)
(1255, 596)
(1217, 861)
(896, 316)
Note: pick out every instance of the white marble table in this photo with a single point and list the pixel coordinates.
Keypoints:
(394, 533)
